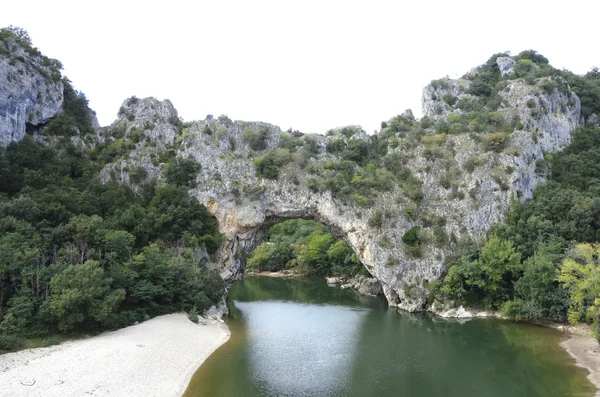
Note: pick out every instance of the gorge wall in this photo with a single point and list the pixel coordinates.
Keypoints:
(405, 199)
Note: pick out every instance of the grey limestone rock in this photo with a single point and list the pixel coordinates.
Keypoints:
(31, 92)
(246, 205)
(506, 65)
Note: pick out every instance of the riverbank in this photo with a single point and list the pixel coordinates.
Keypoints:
(584, 348)
(155, 358)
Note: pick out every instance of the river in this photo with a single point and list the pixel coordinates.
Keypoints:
(302, 338)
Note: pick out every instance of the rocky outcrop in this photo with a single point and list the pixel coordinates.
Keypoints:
(506, 65)
(367, 286)
(150, 126)
(246, 205)
(31, 91)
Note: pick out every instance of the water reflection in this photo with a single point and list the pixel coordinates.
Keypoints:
(299, 349)
(293, 337)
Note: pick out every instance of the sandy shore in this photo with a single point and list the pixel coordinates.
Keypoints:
(586, 351)
(154, 358)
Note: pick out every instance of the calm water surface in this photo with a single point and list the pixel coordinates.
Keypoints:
(298, 337)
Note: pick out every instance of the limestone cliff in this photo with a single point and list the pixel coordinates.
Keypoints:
(31, 91)
(467, 179)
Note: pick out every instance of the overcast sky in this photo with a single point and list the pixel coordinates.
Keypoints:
(310, 65)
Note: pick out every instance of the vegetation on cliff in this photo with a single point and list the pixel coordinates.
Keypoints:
(533, 266)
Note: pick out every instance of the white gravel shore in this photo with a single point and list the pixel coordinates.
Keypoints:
(155, 358)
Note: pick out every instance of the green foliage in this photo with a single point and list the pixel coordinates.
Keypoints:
(137, 174)
(450, 99)
(376, 220)
(580, 274)
(82, 297)
(540, 231)
(257, 140)
(182, 171)
(10, 342)
(486, 278)
(306, 246)
(357, 151)
(412, 236)
(268, 165)
(193, 314)
(336, 146)
(77, 255)
(496, 141)
(471, 163)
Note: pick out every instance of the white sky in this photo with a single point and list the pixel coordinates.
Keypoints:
(310, 65)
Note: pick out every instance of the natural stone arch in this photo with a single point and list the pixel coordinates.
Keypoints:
(245, 203)
(245, 227)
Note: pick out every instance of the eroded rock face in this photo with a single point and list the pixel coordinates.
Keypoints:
(31, 92)
(246, 205)
(506, 65)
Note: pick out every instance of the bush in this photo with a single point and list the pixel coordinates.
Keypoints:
(138, 174)
(450, 99)
(412, 236)
(10, 342)
(182, 171)
(376, 220)
(336, 146)
(495, 141)
(471, 163)
(436, 139)
(193, 314)
(266, 167)
(256, 140)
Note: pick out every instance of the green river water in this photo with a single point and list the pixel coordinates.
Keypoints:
(300, 337)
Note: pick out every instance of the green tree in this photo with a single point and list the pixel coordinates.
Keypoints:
(81, 295)
(580, 274)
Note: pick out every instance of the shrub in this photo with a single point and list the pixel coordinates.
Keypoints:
(495, 141)
(436, 139)
(137, 174)
(182, 171)
(471, 163)
(412, 236)
(357, 151)
(349, 131)
(362, 201)
(10, 342)
(256, 140)
(450, 99)
(266, 167)
(336, 146)
(193, 314)
(376, 220)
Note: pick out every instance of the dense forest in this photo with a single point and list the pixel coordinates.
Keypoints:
(78, 255)
(306, 247)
